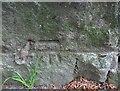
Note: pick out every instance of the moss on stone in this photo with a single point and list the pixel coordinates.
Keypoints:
(97, 36)
(113, 79)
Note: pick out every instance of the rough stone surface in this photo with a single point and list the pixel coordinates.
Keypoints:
(96, 66)
(74, 39)
(55, 68)
(76, 29)
(58, 68)
(47, 45)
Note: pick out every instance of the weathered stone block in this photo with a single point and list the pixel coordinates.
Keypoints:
(96, 66)
(54, 68)
(58, 68)
(57, 71)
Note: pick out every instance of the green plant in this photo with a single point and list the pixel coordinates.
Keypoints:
(29, 83)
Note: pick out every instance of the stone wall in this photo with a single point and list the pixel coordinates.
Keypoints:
(74, 39)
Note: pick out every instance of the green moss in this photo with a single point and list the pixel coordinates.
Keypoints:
(41, 23)
(44, 22)
(97, 36)
(113, 79)
(68, 25)
(110, 15)
(119, 79)
(110, 19)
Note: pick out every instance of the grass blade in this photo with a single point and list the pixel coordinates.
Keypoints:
(7, 80)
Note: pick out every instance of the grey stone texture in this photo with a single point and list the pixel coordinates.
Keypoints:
(74, 39)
